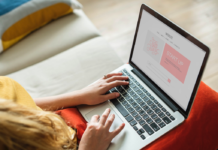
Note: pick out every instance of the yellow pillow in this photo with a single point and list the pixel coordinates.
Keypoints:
(19, 18)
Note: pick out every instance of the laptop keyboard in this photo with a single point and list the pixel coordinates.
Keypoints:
(138, 106)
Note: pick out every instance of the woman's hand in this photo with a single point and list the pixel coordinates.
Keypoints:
(95, 93)
(97, 135)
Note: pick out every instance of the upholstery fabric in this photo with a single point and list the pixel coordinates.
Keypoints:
(54, 38)
(24, 17)
(70, 70)
(198, 132)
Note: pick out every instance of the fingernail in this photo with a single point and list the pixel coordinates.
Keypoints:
(127, 82)
(117, 94)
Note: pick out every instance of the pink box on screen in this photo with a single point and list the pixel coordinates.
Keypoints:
(175, 63)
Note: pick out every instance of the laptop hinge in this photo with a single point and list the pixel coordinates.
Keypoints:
(155, 90)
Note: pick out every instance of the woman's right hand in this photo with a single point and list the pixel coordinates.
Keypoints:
(97, 135)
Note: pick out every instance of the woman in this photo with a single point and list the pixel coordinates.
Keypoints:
(23, 124)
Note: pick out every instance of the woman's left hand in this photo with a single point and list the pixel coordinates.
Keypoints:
(95, 93)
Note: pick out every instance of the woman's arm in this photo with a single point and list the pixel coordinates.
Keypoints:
(91, 95)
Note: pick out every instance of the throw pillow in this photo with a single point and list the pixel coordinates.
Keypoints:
(18, 18)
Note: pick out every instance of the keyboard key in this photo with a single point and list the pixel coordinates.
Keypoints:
(135, 96)
(142, 130)
(124, 70)
(138, 118)
(140, 86)
(120, 108)
(141, 122)
(172, 118)
(139, 92)
(152, 97)
(124, 102)
(154, 116)
(150, 112)
(159, 105)
(136, 88)
(129, 118)
(146, 107)
(154, 126)
(162, 124)
(142, 95)
(166, 120)
(168, 114)
(121, 99)
(157, 110)
(145, 116)
(134, 114)
(131, 110)
(135, 128)
(139, 100)
(142, 104)
(142, 112)
(131, 101)
(127, 106)
(148, 129)
(123, 92)
(137, 83)
(163, 109)
(144, 90)
(132, 85)
(132, 123)
(153, 107)
(149, 121)
(127, 97)
(155, 101)
(161, 115)
(146, 99)
(139, 132)
(150, 103)
(142, 136)
(158, 120)
(134, 104)
(148, 94)
(132, 93)
(138, 109)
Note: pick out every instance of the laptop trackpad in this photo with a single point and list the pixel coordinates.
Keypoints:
(100, 110)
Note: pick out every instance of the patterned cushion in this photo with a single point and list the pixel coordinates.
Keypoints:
(18, 18)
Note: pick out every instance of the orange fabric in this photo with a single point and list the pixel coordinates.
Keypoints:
(74, 119)
(198, 132)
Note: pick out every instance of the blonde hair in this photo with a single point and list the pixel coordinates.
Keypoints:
(25, 128)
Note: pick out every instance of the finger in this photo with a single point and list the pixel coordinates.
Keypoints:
(94, 118)
(110, 121)
(114, 74)
(104, 116)
(110, 96)
(116, 83)
(118, 130)
(114, 78)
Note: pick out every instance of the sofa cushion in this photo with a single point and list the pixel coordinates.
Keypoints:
(70, 70)
(18, 19)
(48, 41)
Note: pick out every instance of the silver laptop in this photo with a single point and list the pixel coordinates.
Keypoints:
(165, 68)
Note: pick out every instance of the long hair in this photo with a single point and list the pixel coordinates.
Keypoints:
(25, 128)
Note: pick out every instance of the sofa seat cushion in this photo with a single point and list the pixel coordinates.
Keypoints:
(70, 70)
(48, 41)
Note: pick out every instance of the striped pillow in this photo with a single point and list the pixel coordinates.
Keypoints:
(18, 18)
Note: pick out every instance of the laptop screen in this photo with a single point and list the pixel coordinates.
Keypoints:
(169, 59)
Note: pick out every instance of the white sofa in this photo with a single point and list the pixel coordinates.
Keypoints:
(65, 55)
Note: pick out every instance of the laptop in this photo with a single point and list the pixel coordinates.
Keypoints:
(165, 68)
